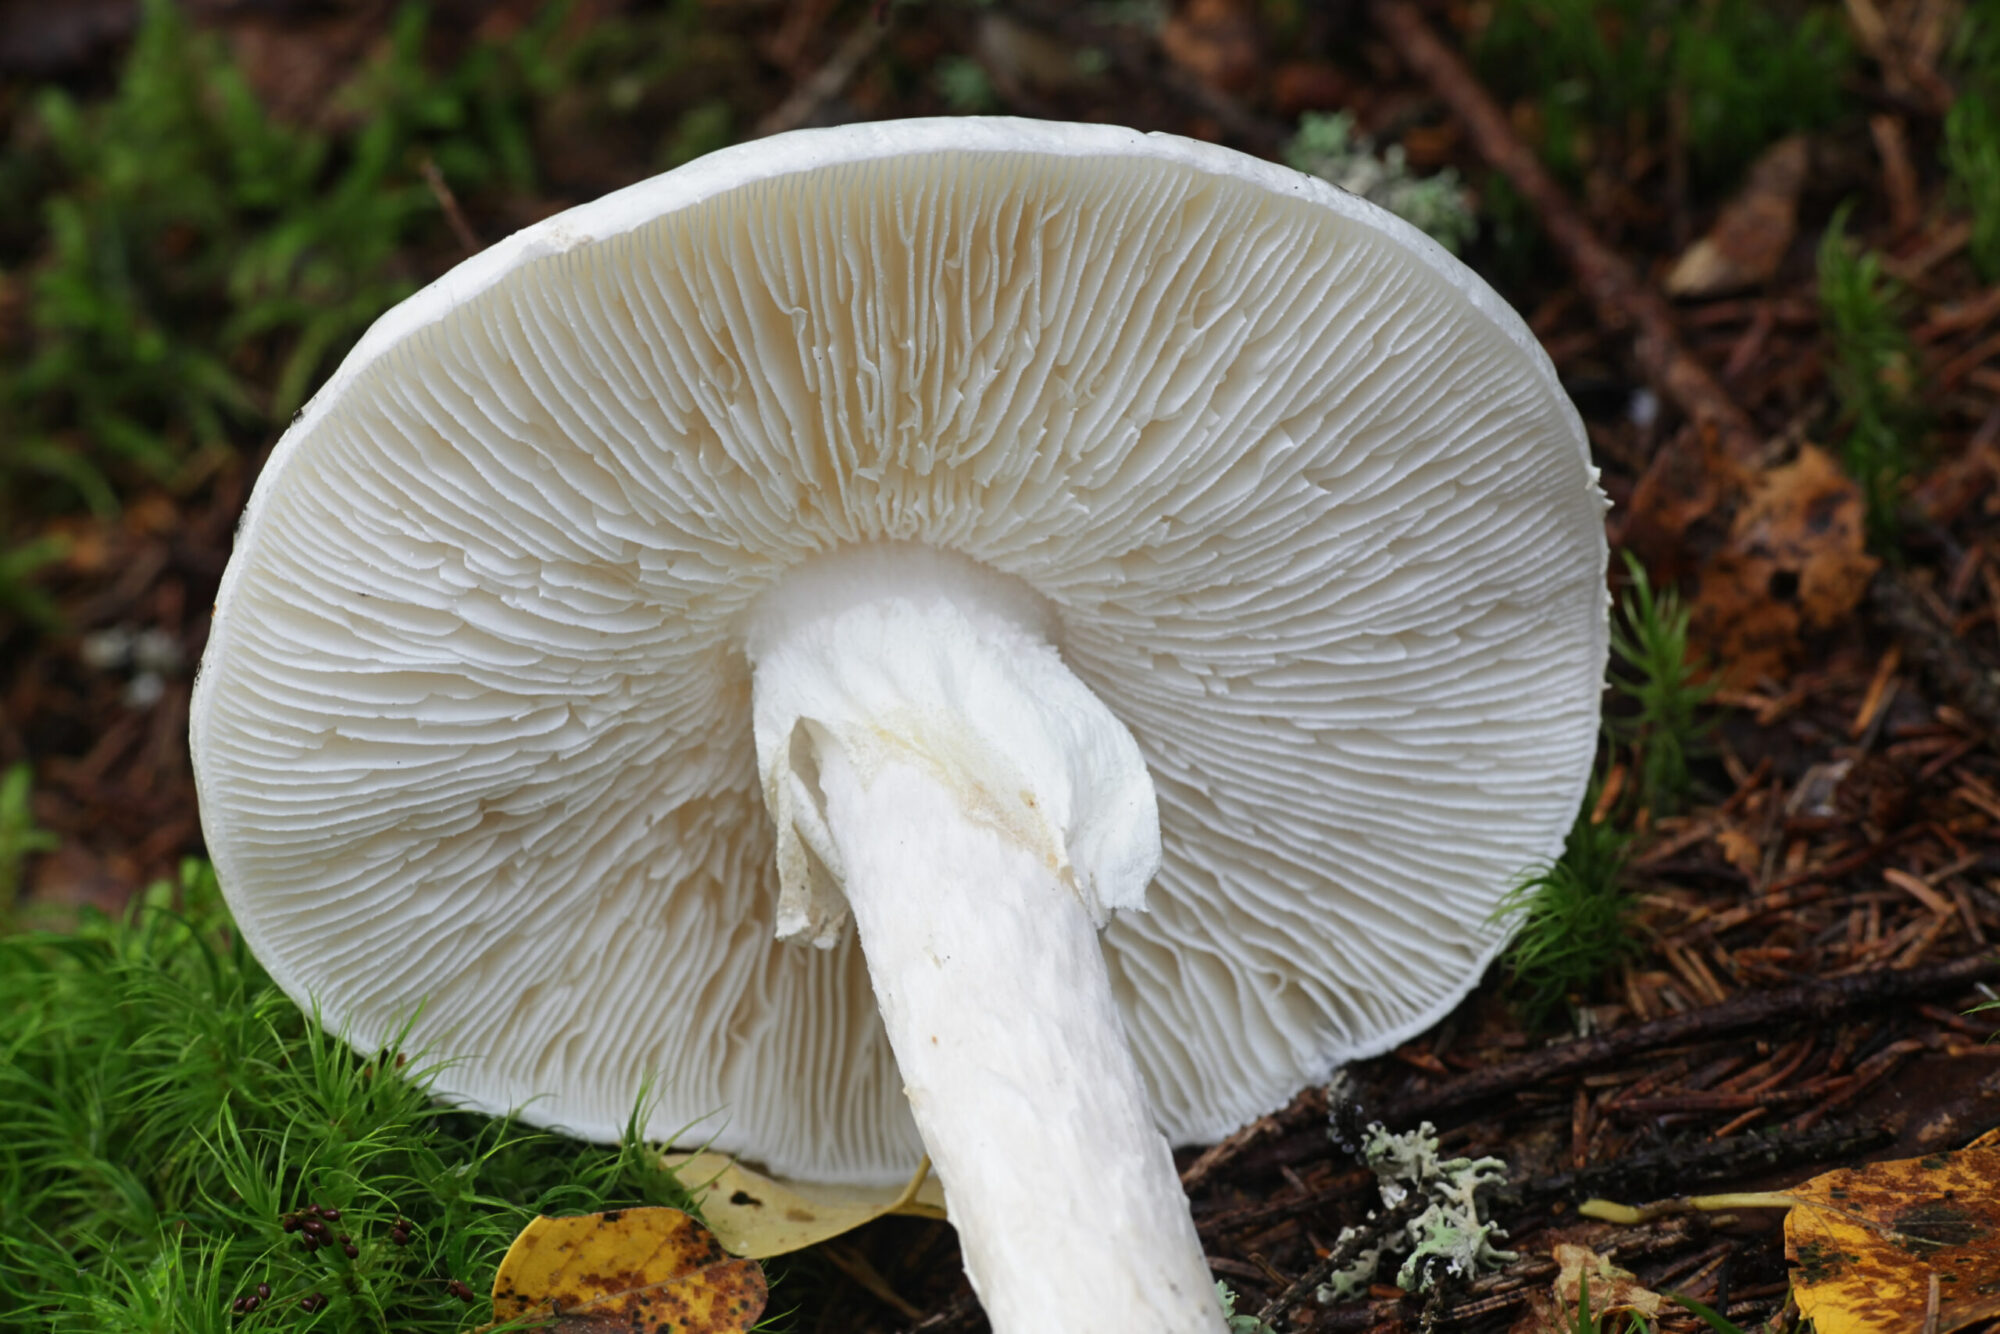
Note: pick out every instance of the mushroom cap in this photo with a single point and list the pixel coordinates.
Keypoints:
(1303, 496)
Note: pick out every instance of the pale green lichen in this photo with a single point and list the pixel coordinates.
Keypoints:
(1327, 146)
(1238, 1324)
(1448, 1236)
(1351, 1280)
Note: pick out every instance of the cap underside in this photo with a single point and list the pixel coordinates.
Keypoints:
(474, 726)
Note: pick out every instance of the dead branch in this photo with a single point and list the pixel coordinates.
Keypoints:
(962, 1312)
(829, 80)
(1937, 652)
(1621, 298)
(1345, 1252)
(1746, 1010)
(1355, 1185)
(1673, 1168)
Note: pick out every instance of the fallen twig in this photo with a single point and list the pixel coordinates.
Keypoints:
(1344, 1253)
(1620, 296)
(448, 202)
(1307, 1107)
(1356, 1185)
(829, 80)
(1677, 1166)
(1939, 654)
(1217, 1154)
(960, 1312)
(1745, 1010)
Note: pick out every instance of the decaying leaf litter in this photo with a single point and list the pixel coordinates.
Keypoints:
(1801, 441)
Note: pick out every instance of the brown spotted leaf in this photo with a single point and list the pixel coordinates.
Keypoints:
(1869, 1244)
(645, 1271)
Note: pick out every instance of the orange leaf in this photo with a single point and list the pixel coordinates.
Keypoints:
(647, 1271)
(1795, 563)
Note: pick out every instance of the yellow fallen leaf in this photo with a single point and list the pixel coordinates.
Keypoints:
(1881, 1249)
(638, 1271)
(760, 1216)
(1871, 1244)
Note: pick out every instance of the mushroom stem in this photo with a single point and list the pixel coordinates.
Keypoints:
(998, 1005)
(935, 771)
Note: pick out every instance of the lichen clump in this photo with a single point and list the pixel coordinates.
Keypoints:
(1447, 1237)
(1327, 146)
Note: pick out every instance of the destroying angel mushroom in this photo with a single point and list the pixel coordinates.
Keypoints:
(1157, 598)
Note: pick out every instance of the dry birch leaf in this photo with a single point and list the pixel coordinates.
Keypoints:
(1612, 1289)
(637, 1271)
(760, 1216)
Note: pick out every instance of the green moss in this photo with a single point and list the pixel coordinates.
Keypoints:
(1573, 919)
(163, 1105)
(1872, 368)
(961, 81)
(1972, 156)
(202, 264)
(20, 837)
(1658, 713)
(186, 268)
(1573, 916)
(1735, 76)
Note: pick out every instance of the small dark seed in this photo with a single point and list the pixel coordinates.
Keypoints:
(334, 1214)
(263, 1290)
(251, 1303)
(313, 1209)
(308, 1243)
(237, 1306)
(343, 1239)
(290, 1222)
(353, 1252)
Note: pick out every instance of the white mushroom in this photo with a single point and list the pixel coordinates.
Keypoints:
(992, 530)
